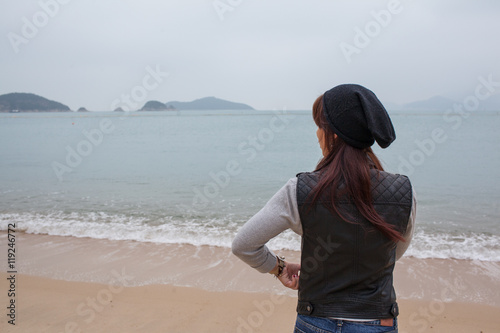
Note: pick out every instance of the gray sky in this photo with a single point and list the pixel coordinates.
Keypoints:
(269, 54)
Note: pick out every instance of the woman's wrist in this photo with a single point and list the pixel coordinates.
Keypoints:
(279, 267)
(275, 270)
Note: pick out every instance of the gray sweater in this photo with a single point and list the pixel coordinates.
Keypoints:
(279, 214)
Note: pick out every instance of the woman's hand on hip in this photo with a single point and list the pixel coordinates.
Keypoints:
(290, 276)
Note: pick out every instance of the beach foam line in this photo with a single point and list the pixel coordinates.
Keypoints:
(198, 231)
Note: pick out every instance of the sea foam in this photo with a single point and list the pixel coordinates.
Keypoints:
(221, 231)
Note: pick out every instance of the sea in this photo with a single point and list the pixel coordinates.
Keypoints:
(195, 177)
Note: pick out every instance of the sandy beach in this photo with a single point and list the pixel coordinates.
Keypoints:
(67, 284)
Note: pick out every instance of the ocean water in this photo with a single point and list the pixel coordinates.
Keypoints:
(196, 177)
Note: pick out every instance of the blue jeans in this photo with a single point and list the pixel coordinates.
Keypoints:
(310, 324)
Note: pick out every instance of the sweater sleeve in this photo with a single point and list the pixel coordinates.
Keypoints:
(401, 247)
(280, 213)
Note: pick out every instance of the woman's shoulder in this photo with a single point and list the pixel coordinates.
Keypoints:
(378, 175)
(390, 186)
(388, 173)
(308, 175)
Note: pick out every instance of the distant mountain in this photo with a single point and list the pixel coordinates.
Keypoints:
(155, 106)
(440, 103)
(389, 106)
(491, 103)
(436, 103)
(119, 109)
(23, 102)
(82, 109)
(209, 103)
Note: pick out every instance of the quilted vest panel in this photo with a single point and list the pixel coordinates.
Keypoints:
(346, 268)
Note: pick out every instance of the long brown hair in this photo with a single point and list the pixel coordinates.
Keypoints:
(345, 164)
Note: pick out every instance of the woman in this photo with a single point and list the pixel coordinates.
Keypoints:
(355, 220)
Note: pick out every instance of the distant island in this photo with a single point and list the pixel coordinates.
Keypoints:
(209, 103)
(27, 102)
(440, 103)
(24, 102)
(206, 103)
(156, 106)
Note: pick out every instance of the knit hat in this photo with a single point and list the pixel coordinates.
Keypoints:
(357, 116)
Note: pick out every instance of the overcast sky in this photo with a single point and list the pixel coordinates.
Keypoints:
(269, 54)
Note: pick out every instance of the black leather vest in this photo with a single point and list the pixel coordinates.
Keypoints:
(346, 268)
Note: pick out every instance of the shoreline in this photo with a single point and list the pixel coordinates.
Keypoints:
(216, 269)
(185, 288)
